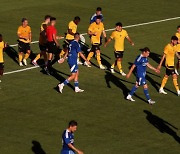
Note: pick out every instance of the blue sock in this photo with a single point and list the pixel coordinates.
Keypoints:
(133, 90)
(66, 82)
(76, 84)
(146, 94)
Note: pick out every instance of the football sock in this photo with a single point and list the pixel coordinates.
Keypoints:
(113, 65)
(37, 57)
(146, 94)
(119, 65)
(26, 56)
(176, 84)
(66, 82)
(20, 57)
(133, 90)
(61, 53)
(99, 58)
(164, 81)
(76, 84)
(90, 56)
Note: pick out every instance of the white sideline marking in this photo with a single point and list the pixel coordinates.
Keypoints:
(129, 26)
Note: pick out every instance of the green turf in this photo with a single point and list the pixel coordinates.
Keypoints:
(31, 109)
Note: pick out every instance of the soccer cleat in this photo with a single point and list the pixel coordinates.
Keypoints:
(161, 91)
(25, 62)
(112, 70)
(60, 86)
(102, 67)
(86, 64)
(0, 81)
(78, 90)
(35, 63)
(79, 62)
(151, 102)
(20, 64)
(129, 97)
(176, 71)
(178, 92)
(123, 74)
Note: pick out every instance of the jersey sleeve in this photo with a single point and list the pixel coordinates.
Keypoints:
(70, 26)
(112, 35)
(125, 33)
(90, 28)
(29, 29)
(67, 138)
(166, 50)
(78, 48)
(19, 30)
(136, 62)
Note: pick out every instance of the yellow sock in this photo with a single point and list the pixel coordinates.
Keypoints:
(164, 81)
(176, 84)
(119, 65)
(26, 56)
(61, 53)
(90, 55)
(113, 65)
(99, 58)
(37, 57)
(20, 57)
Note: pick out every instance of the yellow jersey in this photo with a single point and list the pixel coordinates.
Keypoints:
(2, 44)
(25, 33)
(96, 28)
(73, 27)
(119, 37)
(178, 45)
(42, 37)
(169, 51)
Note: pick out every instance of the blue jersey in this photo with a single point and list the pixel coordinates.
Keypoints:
(67, 137)
(141, 63)
(74, 49)
(93, 18)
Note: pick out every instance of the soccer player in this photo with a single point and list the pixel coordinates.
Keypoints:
(2, 47)
(141, 63)
(98, 13)
(25, 37)
(68, 139)
(42, 41)
(178, 50)
(168, 56)
(119, 36)
(74, 49)
(52, 43)
(95, 30)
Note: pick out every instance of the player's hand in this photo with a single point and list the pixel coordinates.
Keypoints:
(60, 61)
(105, 45)
(95, 34)
(80, 152)
(157, 71)
(88, 62)
(132, 43)
(159, 67)
(57, 45)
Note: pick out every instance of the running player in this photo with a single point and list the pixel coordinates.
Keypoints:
(98, 13)
(169, 55)
(24, 34)
(2, 46)
(95, 30)
(119, 36)
(42, 41)
(178, 50)
(68, 139)
(141, 63)
(74, 49)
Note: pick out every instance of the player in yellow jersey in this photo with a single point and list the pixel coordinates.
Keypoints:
(119, 35)
(24, 34)
(95, 30)
(169, 56)
(42, 41)
(2, 46)
(178, 50)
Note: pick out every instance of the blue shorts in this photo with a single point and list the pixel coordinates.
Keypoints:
(141, 81)
(67, 152)
(73, 67)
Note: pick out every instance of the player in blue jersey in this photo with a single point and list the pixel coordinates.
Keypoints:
(141, 63)
(74, 50)
(68, 139)
(98, 13)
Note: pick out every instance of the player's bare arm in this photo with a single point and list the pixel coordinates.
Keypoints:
(84, 58)
(108, 41)
(130, 71)
(130, 40)
(105, 36)
(55, 40)
(177, 55)
(153, 68)
(75, 149)
(160, 64)
(91, 33)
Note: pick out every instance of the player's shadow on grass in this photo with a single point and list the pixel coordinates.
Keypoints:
(36, 148)
(156, 57)
(109, 77)
(162, 125)
(12, 53)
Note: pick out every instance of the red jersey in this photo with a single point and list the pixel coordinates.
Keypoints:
(49, 33)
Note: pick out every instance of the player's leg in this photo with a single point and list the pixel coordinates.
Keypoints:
(175, 82)
(20, 58)
(21, 49)
(145, 86)
(164, 81)
(91, 53)
(76, 83)
(27, 54)
(1, 70)
(177, 67)
(133, 90)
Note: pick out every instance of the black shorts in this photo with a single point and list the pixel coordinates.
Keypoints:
(43, 47)
(118, 54)
(1, 66)
(52, 48)
(95, 47)
(23, 47)
(170, 70)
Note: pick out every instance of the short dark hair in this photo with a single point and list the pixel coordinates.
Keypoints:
(119, 24)
(178, 27)
(52, 19)
(174, 38)
(145, 49)
(73, 123)
(23, 19)
(47, 17)
(77, 18)
(99, 17)
(98, 9)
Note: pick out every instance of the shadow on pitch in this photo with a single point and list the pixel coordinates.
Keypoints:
(12, 53)
(36, 148)
(109, 77)
(162, 125)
